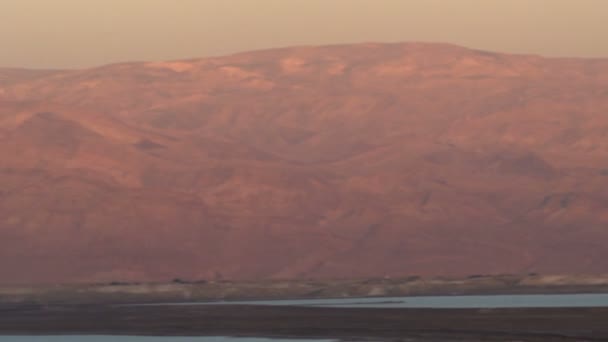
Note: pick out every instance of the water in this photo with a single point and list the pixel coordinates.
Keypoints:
(443, 302)
(88, 338)
(494, 301)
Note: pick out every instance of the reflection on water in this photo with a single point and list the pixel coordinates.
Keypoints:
(77, 338)
(452, 302)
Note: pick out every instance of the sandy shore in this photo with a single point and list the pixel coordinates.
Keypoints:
(578, 324)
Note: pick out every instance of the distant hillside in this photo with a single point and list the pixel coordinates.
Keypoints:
(335, 161)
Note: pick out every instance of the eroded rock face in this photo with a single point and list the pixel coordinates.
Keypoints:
(340, 161)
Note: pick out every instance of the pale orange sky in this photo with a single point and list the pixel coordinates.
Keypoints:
(79, 33)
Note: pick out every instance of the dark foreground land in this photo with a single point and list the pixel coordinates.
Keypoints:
(572, 324)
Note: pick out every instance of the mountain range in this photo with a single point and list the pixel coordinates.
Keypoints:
(346, 161)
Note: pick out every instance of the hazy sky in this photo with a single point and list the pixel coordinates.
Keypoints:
(77, 33)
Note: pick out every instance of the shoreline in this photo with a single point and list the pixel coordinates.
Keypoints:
(125, 309)
(215, 291)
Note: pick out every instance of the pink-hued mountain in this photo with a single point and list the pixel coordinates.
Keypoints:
(338, 161)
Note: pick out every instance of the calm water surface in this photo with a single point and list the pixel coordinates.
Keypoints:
(494, 301)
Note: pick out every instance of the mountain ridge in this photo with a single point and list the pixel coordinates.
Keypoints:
(335, 161)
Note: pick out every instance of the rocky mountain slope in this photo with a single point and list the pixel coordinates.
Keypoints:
(337, 161)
